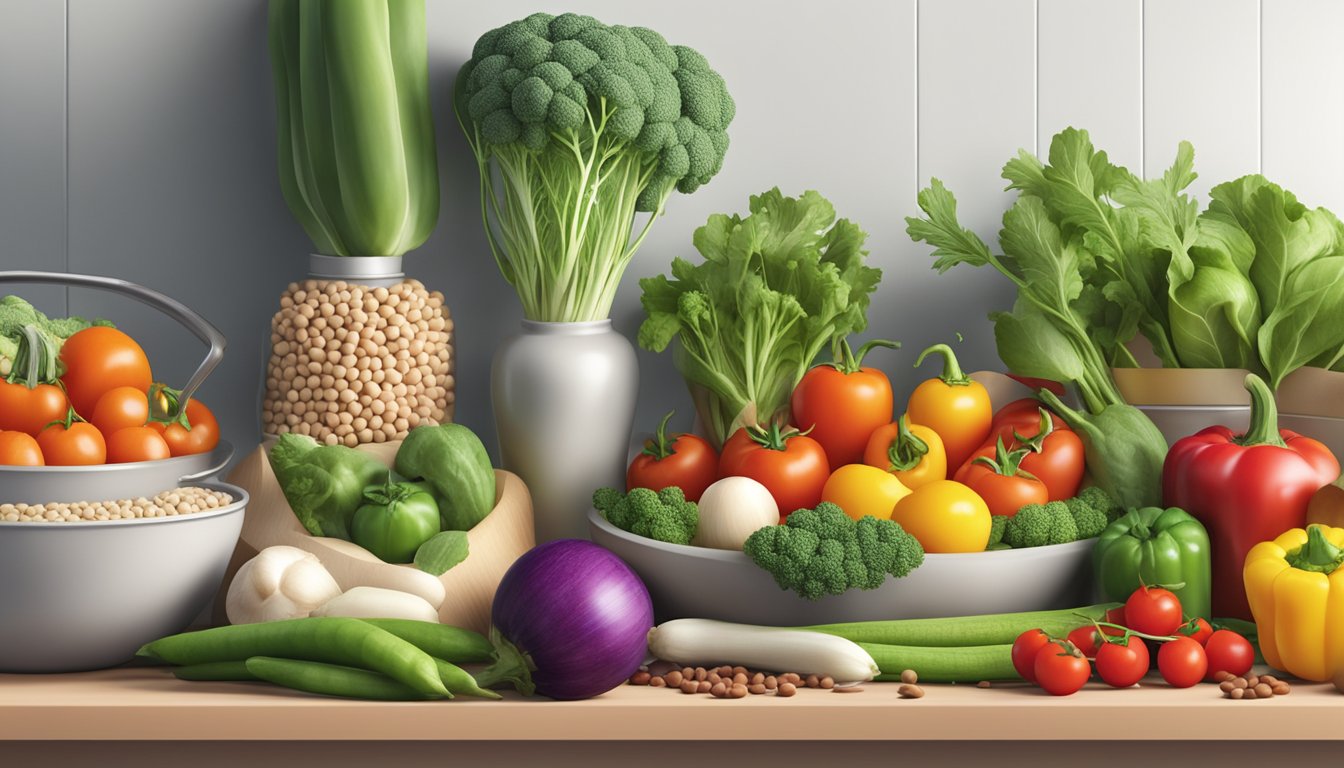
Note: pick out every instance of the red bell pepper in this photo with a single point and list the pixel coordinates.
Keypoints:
(1054, 453)
(1245, 489)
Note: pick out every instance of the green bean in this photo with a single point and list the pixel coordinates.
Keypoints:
(992, 629)
(969, 664)
(332, 680)
(217, 670)
(458, 680)
(333, 640)
(453, 644)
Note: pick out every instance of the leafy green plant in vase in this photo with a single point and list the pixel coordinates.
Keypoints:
(578, 128)
(359, 353)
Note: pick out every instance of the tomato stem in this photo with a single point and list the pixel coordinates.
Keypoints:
(658, 447)
(952, 374)
(1135, 633)
(1005, 462)
(847, 361)
(166, 406)
(1036, 444)
(907, 450)
(774, 438)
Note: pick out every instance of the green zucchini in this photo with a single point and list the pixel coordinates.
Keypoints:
(990, 629)
(969, 664)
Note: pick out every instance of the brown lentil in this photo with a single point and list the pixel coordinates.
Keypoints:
(718, 690)
(1280, 688)
(909, 676)
(1252, 681)
(787, 689)
(739, 678)
(1249, 693)
(657, 682)
(1223, 676)
(771, 682)
(392, 345)
(640, 678)
(737, 692)
(910, 691)
(756, 689)
(1263, 691)
(690, 686)
(703, 686)
(758, 678)
(701, 674)
(174, 503)
(1236, 693)
(984, 684)
(827, 682)
(848, 689)
(673, 678)
(813, 681)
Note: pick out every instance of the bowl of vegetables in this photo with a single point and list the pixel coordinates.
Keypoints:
(81, 416)
(92, 581)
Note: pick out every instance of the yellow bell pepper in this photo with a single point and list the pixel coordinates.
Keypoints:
(1295, 585)
(861, 490)
(912, 452)
(945, 516)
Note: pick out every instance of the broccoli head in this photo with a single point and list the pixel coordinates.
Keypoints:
(1097, 498)
(996, 525)
(663, 515)
(1090, 520)
(823, 551)
(18, 322)
(1037, 525)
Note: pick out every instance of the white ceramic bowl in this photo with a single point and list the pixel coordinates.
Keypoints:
(719, 584)
(78, 596)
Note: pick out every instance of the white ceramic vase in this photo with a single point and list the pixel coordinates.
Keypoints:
(564, 402)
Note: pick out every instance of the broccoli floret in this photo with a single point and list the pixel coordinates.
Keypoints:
(1037, 525)
(996, 525)
(1089, 520)
(664, 515)
(1097, 498)
(16, 315)
(823, 551)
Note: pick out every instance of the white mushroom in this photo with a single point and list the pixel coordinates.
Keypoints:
(279, 583)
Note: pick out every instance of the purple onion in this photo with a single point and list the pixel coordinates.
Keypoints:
(579, 612)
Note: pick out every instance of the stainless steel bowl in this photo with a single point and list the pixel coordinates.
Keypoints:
(39, 485)
(79, 596)
(720, 584)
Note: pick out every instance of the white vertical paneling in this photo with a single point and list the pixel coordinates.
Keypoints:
(977, 107)
(1303, 98)
(1089, 60)
(32, 144)
(1201, 63)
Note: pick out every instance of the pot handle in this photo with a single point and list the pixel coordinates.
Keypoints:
(173, 308)
(219, 458)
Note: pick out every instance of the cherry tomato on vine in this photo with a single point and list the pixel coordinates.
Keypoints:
(1024, 652)
(136, 444)
(1115, 616)
(687, 461)
(1197, 629)
(1153, 611)
(72, 443)
(98, 359)
(199, 433)
(20, 449)
(791, 465)
(1182, 662)
(1061, 669)
(1085, 639)
(1123, 664)
(842, 402)
(1228, 651)
(119, 408)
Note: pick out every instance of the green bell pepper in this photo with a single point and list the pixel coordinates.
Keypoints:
(395, 520)
(1153, 546)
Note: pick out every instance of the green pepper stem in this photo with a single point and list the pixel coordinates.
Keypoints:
(907, 450)
(1318, 555)
(659, 448)
(1264, 415)
(952, 375)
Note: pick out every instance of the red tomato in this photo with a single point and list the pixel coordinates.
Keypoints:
(1123, 665)
(1197, 629)
(1182, 662)
(1228, 651)
(1153, 611)
(98, 359)
(841, 403)
(1001, 484)
(20, 449)
(1061, 669)
(689, 462)
(1025, 648)
(1085, 639)
(790, 465)
(1115, 616)
(1056, 459)
(198, 435)
(75, 444)
(30, 410)
(136, 444)
(120, 408)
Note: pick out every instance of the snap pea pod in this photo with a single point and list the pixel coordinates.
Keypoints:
(215, 670)
(991, 629)
(969, 664)
(458, 680)
(333, 680)
(333, 640)
(453, 644)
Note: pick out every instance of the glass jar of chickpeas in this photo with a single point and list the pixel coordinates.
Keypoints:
(359, 354)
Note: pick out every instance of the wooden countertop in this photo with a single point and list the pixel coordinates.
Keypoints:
(149, 704)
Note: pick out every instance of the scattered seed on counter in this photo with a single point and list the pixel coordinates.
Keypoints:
(910, 691)
(174, 503)
(771, 682)
(353, 364)
(756, 689)
(657, 682)
(739, 678)
(1254, 687)
(690, 686)
(737, 692)
(848, 689)
(813, 681)
(827, 682)
(673, 679)
(909, 676)
(704, 686)
(640, 678)
(718, 690)
(786, 690)
(984, 684)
